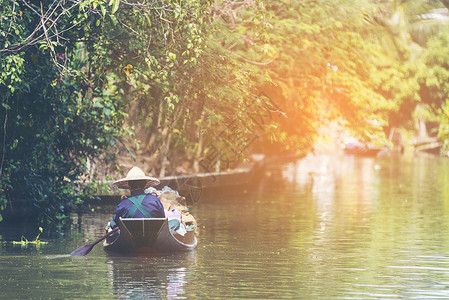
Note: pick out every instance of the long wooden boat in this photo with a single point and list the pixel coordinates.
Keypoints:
(153, 235)
(363, 151)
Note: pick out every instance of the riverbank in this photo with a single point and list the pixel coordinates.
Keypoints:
(193, 186)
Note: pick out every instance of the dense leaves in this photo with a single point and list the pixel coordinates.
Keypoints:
(53, 117)
(190, 86)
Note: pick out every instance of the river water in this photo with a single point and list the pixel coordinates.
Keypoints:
(324, 227)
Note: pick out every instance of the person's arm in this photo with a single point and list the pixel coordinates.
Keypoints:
(120, 211)
(161, 208)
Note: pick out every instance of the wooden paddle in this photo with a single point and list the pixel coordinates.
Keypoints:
(84, 250)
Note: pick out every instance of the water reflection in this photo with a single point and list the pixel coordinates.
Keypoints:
(377, 218)
(145, 277)
(325, 227)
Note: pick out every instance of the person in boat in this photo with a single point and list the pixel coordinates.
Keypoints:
(139, 204)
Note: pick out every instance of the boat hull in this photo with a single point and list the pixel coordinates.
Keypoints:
(363, 152)
(153, 234)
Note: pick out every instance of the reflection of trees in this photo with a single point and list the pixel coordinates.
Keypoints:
(150, 276)
(383, 224)
(92, 224)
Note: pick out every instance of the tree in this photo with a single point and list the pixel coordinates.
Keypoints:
(433, 79)
(319, 67)
(403, 28)
(56, 113)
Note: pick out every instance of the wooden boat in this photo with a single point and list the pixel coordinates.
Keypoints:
(363, 151)
(153, 234)
(431, 148)
(353, 146)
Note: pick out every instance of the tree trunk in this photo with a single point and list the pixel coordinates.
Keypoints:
(199, 149)
(167, 134)
(164, 154)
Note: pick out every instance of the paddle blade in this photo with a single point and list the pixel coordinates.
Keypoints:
(83, 250)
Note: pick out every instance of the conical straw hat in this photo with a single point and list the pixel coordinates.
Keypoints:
(136, 174)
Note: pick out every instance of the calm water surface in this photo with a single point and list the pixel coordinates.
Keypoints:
(325, 227)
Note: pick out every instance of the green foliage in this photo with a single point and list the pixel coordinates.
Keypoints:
(433, 78)
(319, 67)
(197, 82)
(404, 69)
(443, 132)
(56, 113)
(398, 83)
